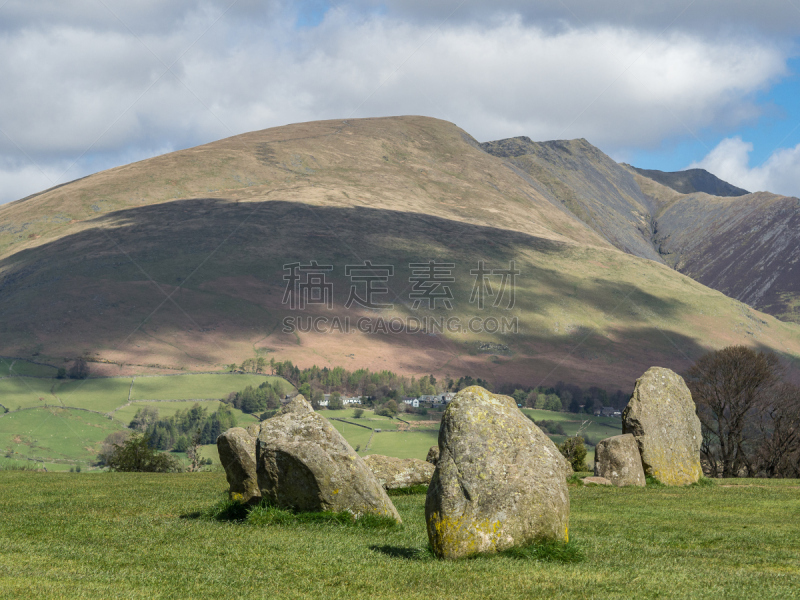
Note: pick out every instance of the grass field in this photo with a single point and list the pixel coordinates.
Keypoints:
(116, 535)
(73, 439)
(54, 434)
(404, 444)
(355, 436)
(178, 387)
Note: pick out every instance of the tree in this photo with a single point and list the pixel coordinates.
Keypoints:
(552, 402)
(143, 418)
(62, 373)
(136, 455)
(335, 402)
(358, 413)
(520, 396)
(261, 362)
(232, 367)
(779, 427)
(79, 369)
(730, 387)
(574, 451)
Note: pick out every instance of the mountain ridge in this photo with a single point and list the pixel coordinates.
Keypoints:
(180, 260)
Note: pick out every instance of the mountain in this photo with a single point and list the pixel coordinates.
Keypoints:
(183, 261)
(747, 247)
(744, 245)
(691, 181)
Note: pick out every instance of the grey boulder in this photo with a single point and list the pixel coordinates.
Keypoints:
(500, 481)
(393, 473)
(661, 416)
(303, 463)
(617, 459)
(237, 453)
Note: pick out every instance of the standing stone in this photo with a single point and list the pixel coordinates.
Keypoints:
(661, 416)
(303, 463)
(500, 482)
(237, 453)
(433, 455)
(393, 473)
(617, 459)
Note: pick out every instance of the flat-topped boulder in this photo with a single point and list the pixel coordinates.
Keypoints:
(237, 453)
(617, 459)
(304, 464)
(661, 416)
(499, 482)
(595, 481)
(394, 473)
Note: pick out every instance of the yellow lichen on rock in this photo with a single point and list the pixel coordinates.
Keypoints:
(499, 481)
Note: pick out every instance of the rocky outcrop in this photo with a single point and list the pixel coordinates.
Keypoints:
(661, 416)
(617, 459)
(237, 453)
(499, 481)
(304, 464)
(393, 473)
(433, 455)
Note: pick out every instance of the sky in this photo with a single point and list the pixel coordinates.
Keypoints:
(91, 84)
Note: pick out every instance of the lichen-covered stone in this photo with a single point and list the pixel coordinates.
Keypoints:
(595, 481)
(303, 463)
(253, 429)
(393, 473)
(617, 459)
(237, 453)
(500, 482)
(433, 455)
(661, 416)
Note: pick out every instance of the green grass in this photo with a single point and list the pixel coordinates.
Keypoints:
(355, 436)
(190, 387)
(54, 434)
(265, 515)
(10, 367)
(102, 395)
(404, 444)
(130, 535)
(26, 392)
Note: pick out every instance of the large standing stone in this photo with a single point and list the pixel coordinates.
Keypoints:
(617, 459)
(393, 473)
(237, 453)
(303, 463)
(433, 455)
(500, 482)
(661, 416)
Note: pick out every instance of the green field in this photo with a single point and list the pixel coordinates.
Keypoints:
(26, 392)
(178, 387)
(56, 435)
(118, 535)
(66, 440)
(404, 444)
(355, 436)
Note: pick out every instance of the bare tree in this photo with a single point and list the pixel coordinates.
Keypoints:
(779, 426)
(730, 387)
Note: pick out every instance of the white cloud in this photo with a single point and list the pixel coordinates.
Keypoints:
(729, 161)
(78, 83)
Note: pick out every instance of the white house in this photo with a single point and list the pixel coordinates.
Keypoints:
(413, 402)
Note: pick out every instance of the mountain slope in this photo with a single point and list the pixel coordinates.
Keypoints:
(691, 181)
(591, 185)
(179, 261)
(748, 247)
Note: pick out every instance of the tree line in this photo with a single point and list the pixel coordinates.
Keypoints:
(749, 412)
(186, 427)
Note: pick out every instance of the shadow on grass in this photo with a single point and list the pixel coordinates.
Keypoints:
(264, 514)
(413, 490)
(404, 553)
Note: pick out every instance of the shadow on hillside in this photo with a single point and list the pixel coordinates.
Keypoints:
(205, 265)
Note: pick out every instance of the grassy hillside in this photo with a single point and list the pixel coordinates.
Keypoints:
(178, 262)
(136, 536)
(59, 424)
